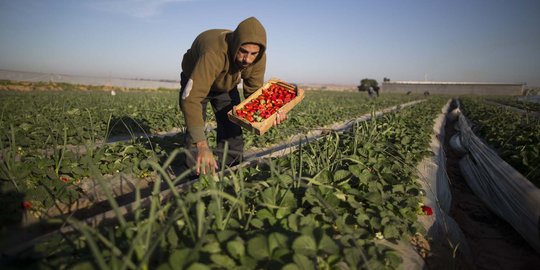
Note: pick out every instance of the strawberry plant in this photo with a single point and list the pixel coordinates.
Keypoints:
(327, 205)
(48, 135)
(515, 102)
(514, 136)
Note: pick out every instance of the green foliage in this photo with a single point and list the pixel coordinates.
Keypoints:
(366, 83)
(322, 206)
(58, 138)
(514, 135)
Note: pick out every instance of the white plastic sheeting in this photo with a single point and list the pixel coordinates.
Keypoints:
(503, 189)
(446, 235)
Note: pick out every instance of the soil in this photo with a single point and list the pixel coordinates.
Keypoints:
(493, 242)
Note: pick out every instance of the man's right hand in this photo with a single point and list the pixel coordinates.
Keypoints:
(205, 158)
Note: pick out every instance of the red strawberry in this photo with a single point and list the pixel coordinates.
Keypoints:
(427, 210)
(26, 205)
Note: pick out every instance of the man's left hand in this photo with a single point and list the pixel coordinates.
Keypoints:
(280, 117)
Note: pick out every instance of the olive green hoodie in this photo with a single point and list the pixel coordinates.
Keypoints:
(209, 65)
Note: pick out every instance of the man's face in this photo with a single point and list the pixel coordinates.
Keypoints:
(246, 55)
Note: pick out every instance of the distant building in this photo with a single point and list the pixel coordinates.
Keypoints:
(453, 88)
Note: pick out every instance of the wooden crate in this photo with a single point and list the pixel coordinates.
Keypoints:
(260, 128)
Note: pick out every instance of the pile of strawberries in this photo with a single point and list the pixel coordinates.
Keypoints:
(266, 104)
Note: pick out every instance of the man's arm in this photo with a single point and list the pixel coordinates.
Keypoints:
(205, 158)
(204, 73)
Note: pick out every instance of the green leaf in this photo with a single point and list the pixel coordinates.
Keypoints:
(179, 258)
(303, 262)
(236, 249)
(286, 179)
(276, 240)
(287, 200)
(282, 212)
(279, 253)
(341, 175)
(223, 261)
(162, 266)
(290, 266)
(268, 196)
(398, 188)
(266, 214)
(328, 245)
(130, 149)
(292, 222)
(305, 245)
(78, 171)
(212, 247)
(52, 175)
(225, 235)
(361, 218)
(248, 262)
(374, 197)
(375, 223)
(390, 231)
(356, 170)
(201, 217)
(257, 223)
(353, 256)
(258, 247)
(365, 177)
(324, 177)
(340, 195)
(198, 266)
(172, 238)
(234, 224)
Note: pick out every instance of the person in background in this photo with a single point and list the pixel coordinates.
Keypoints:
(373, 91)
(211, 70)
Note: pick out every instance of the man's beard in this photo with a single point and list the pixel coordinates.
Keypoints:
(242, 64)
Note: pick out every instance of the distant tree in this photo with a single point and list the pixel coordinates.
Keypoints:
(365, 84)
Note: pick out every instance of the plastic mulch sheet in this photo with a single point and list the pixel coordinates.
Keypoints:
(503, 189)
(447, 240)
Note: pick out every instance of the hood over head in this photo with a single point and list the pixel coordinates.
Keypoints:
(249, 30)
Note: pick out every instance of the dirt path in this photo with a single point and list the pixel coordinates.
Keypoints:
(493, 242)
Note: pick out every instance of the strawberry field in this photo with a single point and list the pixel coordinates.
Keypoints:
(343, 201)
(51, 141)
(515, 135)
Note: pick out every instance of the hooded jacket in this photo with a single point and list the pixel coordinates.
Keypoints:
(209, 66)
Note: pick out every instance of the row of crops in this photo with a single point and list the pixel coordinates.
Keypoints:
(514, 135)
(514, 102)
(340, 202)
(44, 119)
(333, 203)
(53, 142)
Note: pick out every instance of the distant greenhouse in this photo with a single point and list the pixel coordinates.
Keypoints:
(453, 88)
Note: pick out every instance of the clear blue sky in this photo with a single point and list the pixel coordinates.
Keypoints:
(309, 41)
